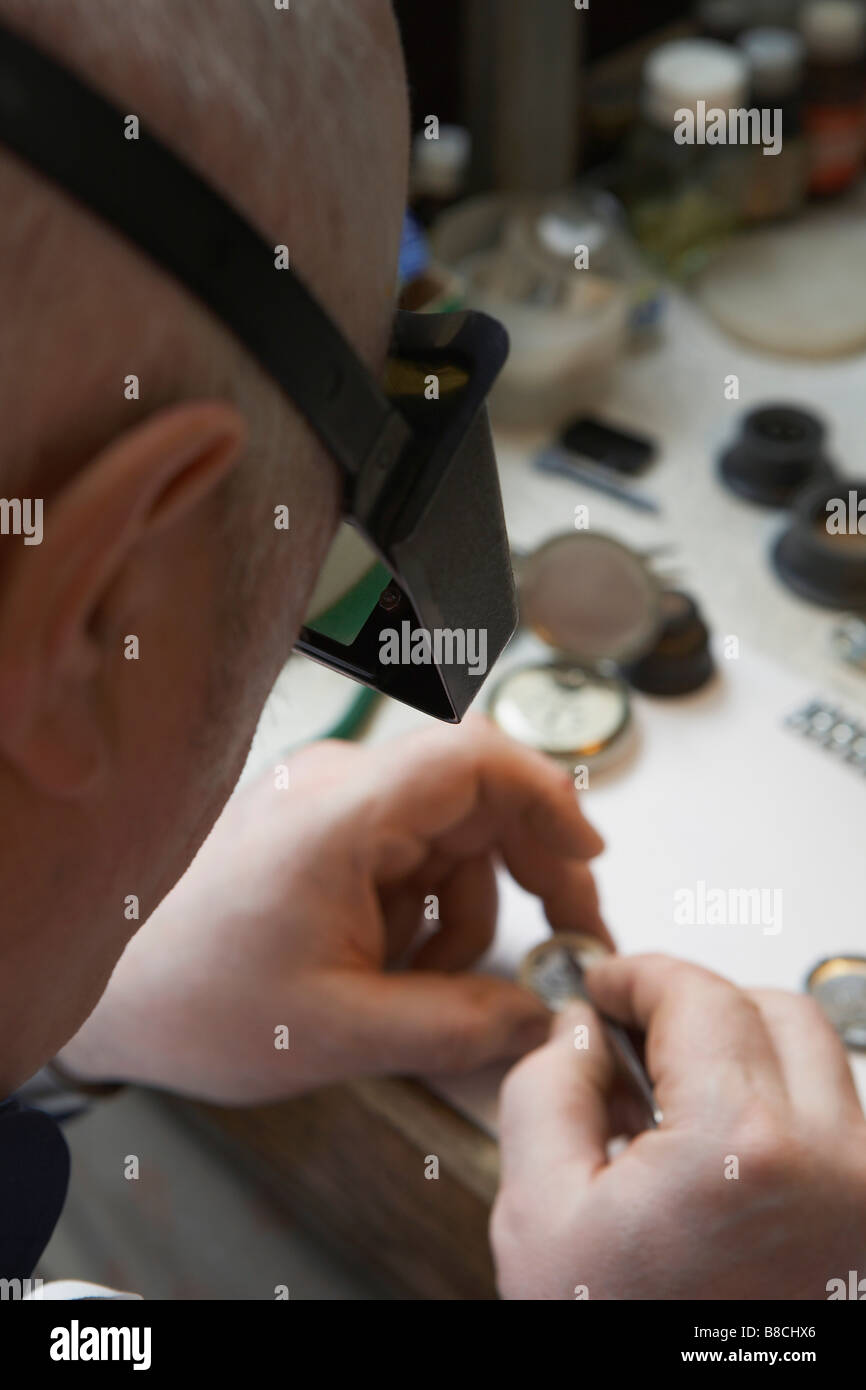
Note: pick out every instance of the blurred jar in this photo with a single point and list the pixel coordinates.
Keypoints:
(683, 198)
(776, 185)
(835, 110)
(556, 272)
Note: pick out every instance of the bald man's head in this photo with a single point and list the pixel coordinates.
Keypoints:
(159, 520)
(297, 116)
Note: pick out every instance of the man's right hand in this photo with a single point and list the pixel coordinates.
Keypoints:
(753, 1186)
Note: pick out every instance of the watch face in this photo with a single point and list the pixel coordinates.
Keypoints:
(590, 597)
(561, 709)
(839, 986)
(554, 969)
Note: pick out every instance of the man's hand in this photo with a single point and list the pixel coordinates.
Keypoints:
(754, 1186)
(302, 901)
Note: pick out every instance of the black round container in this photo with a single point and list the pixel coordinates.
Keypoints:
(680, 661)
(820, 565)
(780, 450)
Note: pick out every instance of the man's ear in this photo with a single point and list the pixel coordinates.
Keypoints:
(146, 481)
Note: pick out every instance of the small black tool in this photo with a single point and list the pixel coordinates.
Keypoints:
(619, 450)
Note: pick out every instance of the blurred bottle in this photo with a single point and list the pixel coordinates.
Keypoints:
(439, 167)
(681, 198)
(777, 183)
(835, 111)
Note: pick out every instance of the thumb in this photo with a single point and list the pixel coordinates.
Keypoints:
(553, 1111)
(431, 1024)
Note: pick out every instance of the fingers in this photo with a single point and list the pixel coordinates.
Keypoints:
(461, 789)
(404, 905)
(467, 905)
(419, 1023)
(469, 794)
(325, 762)
(708, 1050)
(565, 886)
(813, 1060)
(467, 902)
(553, 1106)
(313, 771)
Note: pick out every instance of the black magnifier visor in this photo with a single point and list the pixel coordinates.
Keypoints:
(420, 480)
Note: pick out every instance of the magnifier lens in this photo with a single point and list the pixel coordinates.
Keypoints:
(590, 597)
